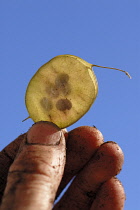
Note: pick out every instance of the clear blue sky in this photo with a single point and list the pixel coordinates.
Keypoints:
(101, 32)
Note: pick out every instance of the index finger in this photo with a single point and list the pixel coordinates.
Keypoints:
(81, 144)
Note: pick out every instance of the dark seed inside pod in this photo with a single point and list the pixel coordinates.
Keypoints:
(46, 103)
(62, 83)
(63, 104)
(53, 91)
(62, 79)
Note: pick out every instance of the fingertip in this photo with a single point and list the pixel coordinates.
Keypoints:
(89, 137)
(44, 132)
(110, 157)
(115, 151)
(111, 195)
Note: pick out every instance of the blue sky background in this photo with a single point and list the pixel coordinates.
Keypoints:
(101, 32)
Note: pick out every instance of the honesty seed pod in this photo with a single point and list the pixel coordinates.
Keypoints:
(62, 90)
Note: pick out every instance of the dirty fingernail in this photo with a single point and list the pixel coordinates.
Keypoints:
(43, 132)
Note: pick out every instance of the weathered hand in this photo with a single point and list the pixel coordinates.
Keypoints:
(32, 166)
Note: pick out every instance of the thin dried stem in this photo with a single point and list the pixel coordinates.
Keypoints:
(26, 119)
(114, 69)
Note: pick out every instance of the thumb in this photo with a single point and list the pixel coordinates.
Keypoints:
(36, 173)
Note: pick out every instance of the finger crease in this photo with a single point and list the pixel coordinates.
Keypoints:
(26, 172)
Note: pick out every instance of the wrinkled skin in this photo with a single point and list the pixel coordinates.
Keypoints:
(36, 167)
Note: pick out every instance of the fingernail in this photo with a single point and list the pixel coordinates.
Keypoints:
(44, 133)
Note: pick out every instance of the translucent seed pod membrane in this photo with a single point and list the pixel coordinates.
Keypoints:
(61, 91)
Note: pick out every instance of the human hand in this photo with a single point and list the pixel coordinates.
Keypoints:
(35, 162)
